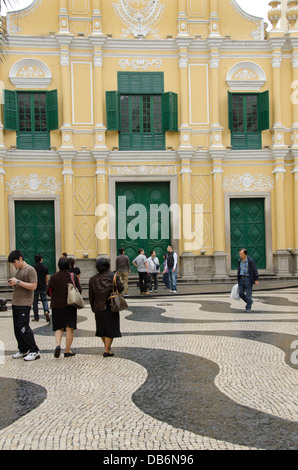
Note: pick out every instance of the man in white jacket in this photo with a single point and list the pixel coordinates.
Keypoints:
(154, 269)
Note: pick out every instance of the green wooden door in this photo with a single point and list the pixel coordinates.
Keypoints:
(35, 231)
(143, 218)
(248, 230)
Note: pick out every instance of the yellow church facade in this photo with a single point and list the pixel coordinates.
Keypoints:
(142, 123)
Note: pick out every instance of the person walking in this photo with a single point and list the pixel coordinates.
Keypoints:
(123, 269)
(154, 269)
(100, 289)
(141, 263)
(172, 262)
(247, 276)
(24, 284)
(64, 316)
(41, 290)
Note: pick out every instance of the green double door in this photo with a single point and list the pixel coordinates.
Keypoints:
(35, 231)
(247, 224)
(143, 218)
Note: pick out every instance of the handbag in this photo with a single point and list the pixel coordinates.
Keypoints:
(235, 292)
(74, 298)
(118, 303)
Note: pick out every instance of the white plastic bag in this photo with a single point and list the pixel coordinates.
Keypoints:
(235, 292)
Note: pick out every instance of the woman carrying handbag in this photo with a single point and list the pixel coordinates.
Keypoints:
(64, 316)
(100, 290)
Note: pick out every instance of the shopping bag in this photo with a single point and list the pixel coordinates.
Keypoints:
(235, 292)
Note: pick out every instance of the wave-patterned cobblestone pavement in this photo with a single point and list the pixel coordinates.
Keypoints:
(188, 374)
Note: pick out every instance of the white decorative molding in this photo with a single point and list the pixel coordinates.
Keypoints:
(30, 73)
(246, 76)
(140, 64)
(139, 16)
(259, 22)
(33, 184)
(13, 18)
(142, 170)
(247, 182)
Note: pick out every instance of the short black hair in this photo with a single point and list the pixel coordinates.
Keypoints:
(38, 258)
(15, 255)
(140, 250)
(63, 263)
(102, 265)
(121, 251)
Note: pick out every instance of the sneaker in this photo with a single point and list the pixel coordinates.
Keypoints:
(33, 356)
(20, 355)
(174, 292)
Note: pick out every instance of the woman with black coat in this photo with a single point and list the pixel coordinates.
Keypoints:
(100, 289)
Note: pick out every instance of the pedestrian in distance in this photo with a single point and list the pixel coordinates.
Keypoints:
(141, 263)
(165, 274)
(64, 317)
(100, 289)
(154, 269)
(123, 269)
(41, 290)
(73, 268)
(247, 276)
(172, 263)
(24, 284)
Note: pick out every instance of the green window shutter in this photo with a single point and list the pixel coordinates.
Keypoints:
(112, 110)
(263, 111)
(10, 110)
(52, 110)
(230, 108)
(140, 83)
(170, 112)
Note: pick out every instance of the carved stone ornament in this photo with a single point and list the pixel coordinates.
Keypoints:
(142, 170)
(140, 64)
(30, 73)
(33, 184)
(247, 182)
(139, 16)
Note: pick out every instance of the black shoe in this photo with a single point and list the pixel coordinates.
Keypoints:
(105, 354)
(47, 315)
(57, 352)
(69, 354)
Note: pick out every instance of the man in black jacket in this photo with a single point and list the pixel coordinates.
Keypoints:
(247, 276)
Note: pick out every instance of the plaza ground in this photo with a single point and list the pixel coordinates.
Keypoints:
(192, 371)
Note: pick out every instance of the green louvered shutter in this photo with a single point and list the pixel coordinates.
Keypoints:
(112, 110)
(263, 111)
(10, 110)
(141, 83)
(52, 110)
(170, 112)
(230, 108)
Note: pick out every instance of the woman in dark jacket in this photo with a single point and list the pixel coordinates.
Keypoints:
(100, 289)
(64, 317)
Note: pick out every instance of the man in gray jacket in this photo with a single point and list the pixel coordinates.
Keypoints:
(123, 269)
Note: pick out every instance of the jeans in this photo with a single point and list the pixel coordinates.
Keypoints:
(165, 278)
(44, 300)
(245, 290)
(172, 278)
(23, 333)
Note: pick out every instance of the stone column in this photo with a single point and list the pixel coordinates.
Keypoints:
(102, 209)
(182, 19)
(185, 140)
(3, 226)
(68, 204)
(214, 19)
(219, 242)
(96, 18)
(216, 128)
(100, 129)
(66, 129)
(282, 266)
(187, 256)
(63, 17)
(278, 128)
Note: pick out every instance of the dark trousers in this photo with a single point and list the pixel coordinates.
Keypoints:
(153, 278)
(44, 300)
(23, 333)
(143, 278)
(245, 290)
